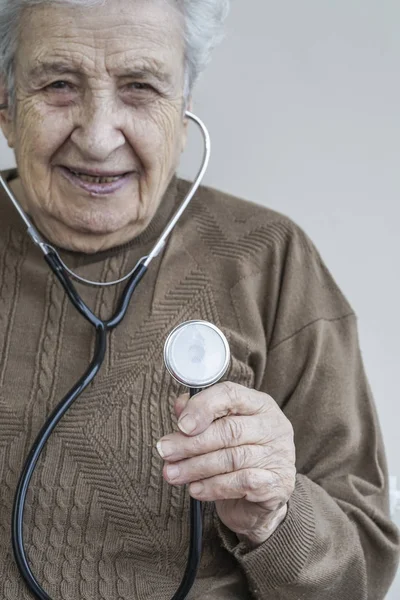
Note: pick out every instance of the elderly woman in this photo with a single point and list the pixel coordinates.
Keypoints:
(286, 453)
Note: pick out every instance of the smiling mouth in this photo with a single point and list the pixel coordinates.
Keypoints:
(94, 179)
(97, 183)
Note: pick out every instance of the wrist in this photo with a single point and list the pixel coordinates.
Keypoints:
(253, 539)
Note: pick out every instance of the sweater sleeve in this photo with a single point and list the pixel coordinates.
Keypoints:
(337, 541)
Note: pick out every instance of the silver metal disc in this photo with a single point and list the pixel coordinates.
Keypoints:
(197, 354)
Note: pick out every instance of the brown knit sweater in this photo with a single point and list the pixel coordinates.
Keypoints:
(100, 522)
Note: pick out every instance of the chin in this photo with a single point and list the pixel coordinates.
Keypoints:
(89, 242)
(95, 234)
(92, 229)
(99, 223)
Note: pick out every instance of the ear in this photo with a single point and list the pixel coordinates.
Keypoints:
(6, 121)
(189, 107)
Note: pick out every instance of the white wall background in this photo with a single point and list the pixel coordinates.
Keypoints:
(302, 101)
(303, 104)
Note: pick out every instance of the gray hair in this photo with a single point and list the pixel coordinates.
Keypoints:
(203, 19)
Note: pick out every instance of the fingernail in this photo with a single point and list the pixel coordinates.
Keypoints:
(160, 450)
(196, 488)
(173, 472)
(164, 448)
(187, 424)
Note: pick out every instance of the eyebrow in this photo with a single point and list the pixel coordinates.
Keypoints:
(52, 68)
(144, 73)
(61, 68)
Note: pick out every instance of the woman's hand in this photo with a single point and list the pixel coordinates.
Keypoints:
(235, 447)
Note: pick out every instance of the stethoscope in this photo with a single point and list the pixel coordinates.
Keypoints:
(196, 354)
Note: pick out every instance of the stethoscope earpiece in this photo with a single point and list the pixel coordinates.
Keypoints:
(196, 354)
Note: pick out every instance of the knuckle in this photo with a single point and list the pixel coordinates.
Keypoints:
(197, 444)
(291, 455)
(291, 480)
(263, 456)
(252, 481)
(238, 458)
(286, 426)
(269, 403)
(231, 431)
(286, 482)
(229, 461)
(231, 390)
(290, 430)
(288, 452)
(275, 477)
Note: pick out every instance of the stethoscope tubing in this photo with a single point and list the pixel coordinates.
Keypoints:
(17, 535)
(195, 543)
(102, 328)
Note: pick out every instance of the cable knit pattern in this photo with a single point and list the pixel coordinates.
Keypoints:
(100, 521)
(12, 259)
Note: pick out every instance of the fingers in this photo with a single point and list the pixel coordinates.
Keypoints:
(254, 485)
(216, 463)
(229, 432)
(235, 447)
(219, 401)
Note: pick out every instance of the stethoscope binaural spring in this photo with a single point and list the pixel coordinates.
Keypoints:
(102, 328)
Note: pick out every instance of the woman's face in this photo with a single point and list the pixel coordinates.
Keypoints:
(98, 126)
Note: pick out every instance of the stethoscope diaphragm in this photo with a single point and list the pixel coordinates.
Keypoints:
(196, 354)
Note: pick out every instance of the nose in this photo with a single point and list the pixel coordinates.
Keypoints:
(98, 132)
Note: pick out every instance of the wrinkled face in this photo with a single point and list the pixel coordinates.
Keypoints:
(98, 126)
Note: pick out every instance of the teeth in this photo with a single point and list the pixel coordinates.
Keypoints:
(91, 179)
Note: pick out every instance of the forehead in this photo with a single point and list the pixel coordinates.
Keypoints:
(108, 36)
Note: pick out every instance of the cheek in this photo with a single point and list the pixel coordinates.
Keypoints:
(157, 139)
(39, 134)
(38, 137)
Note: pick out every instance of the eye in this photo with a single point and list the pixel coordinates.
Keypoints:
(138, 93)
(59, 86)
(139, 86)
(60, 92)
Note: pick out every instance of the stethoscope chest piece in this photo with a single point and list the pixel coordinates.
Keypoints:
(196, 354)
